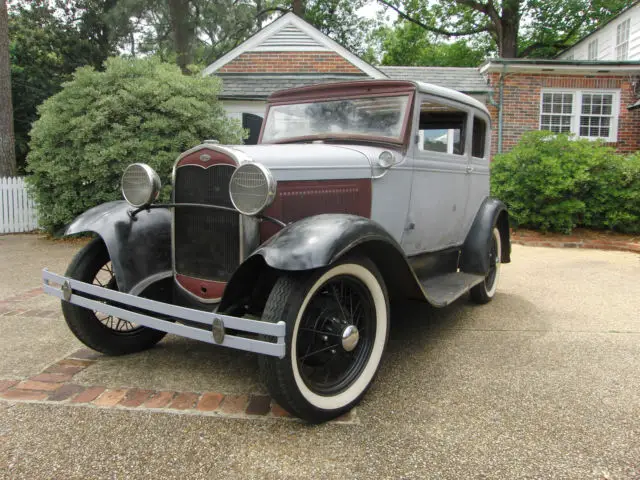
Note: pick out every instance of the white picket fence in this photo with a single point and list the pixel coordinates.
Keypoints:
(17, 210)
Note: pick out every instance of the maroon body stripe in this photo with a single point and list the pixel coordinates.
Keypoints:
(296, 200)
(206, 289)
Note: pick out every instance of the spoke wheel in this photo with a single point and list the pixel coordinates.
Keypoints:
(336, 335)
(337, 324)
(106, 278)
(104, 333)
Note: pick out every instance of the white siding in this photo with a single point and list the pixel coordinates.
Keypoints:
(607, 39)
(289, 38)
(235, 108)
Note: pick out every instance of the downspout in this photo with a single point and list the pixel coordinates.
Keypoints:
(499, 106)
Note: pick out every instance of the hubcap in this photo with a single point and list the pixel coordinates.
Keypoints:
(350, 337)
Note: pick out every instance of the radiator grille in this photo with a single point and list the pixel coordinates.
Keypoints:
(207, 242)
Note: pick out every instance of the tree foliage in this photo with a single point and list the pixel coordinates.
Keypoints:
(517, 28)
(555, 182)
(137, 110)
(408, 44)
(201, 31)
(47, 44)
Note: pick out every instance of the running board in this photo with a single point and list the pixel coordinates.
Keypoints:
(443, 290)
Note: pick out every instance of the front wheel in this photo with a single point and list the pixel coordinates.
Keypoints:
(485, 291)
(104, 333)
(337, 324)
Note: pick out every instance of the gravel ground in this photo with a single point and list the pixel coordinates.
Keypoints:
(540, 383)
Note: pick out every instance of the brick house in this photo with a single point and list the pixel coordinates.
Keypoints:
(587, 98)
(291, 53)
(593, 98)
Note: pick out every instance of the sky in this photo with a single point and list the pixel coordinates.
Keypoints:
(373, 7)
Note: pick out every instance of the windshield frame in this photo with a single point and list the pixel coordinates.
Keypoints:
(401, 140)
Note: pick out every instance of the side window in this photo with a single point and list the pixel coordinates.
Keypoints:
(441, 128)
(479, 137)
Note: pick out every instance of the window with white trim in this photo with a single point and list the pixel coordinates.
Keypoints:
(622, 40)
(593, 50)
(585, 113)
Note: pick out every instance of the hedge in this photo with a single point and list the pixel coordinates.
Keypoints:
(557, 182)
(137, 110)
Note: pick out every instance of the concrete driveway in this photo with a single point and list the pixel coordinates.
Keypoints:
(544, 382)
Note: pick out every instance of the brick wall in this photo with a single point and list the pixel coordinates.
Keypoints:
(290, 62)
(522, 105)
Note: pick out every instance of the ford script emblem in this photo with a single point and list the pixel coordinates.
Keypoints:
(205, 158)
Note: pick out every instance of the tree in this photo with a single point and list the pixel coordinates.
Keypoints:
(7, 147)
(517, 28)
(47, 44)
(410, 45)
(137, 110)
(185, 31)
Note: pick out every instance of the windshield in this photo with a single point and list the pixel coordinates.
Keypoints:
(372, 116)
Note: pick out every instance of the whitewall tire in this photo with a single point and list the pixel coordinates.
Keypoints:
(485, 291)
(337, 326)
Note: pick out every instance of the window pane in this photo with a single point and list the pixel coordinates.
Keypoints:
(557, 109)
(442, 128)
(479, 137)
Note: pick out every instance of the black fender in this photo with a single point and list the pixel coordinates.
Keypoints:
(319, 241)
(139, 248)
(475, 251)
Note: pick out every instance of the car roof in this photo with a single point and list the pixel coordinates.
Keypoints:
(445, 92)
(328, 90)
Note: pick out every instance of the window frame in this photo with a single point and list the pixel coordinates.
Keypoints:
(419, 136)
(592, 50)
(576, 114)
(487, 135)
(622, 44)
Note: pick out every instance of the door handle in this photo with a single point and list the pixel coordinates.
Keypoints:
(469, 169)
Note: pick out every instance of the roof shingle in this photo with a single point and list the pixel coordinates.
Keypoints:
(463, 79)
(260, 86)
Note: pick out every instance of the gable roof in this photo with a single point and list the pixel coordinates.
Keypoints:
(463, 79)
(291, 33)
(259, 86)
(633, 4)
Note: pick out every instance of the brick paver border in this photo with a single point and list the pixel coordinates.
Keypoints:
(602, 241)
(54, 385)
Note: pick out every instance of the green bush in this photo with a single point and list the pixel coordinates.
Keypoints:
(555, 182)
(137, 110)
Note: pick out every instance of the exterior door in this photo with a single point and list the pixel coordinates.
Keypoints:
(253, 123)
(440, 184)
(479, 166)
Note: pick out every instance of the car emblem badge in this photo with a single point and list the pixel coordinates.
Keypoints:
(205, 158)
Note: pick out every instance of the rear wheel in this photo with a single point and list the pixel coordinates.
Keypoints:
(104, 333)
(337, 324)
(485, 291)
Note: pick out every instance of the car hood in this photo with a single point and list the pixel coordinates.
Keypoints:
(314, 161)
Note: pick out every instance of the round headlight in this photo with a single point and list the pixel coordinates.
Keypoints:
(252, 188)
(140, 184)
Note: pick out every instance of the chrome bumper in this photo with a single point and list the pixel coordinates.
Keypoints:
(214, 325)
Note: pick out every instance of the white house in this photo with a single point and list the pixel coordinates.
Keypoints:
(617, 40)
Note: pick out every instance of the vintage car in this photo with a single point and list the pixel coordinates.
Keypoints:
(357, 194)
